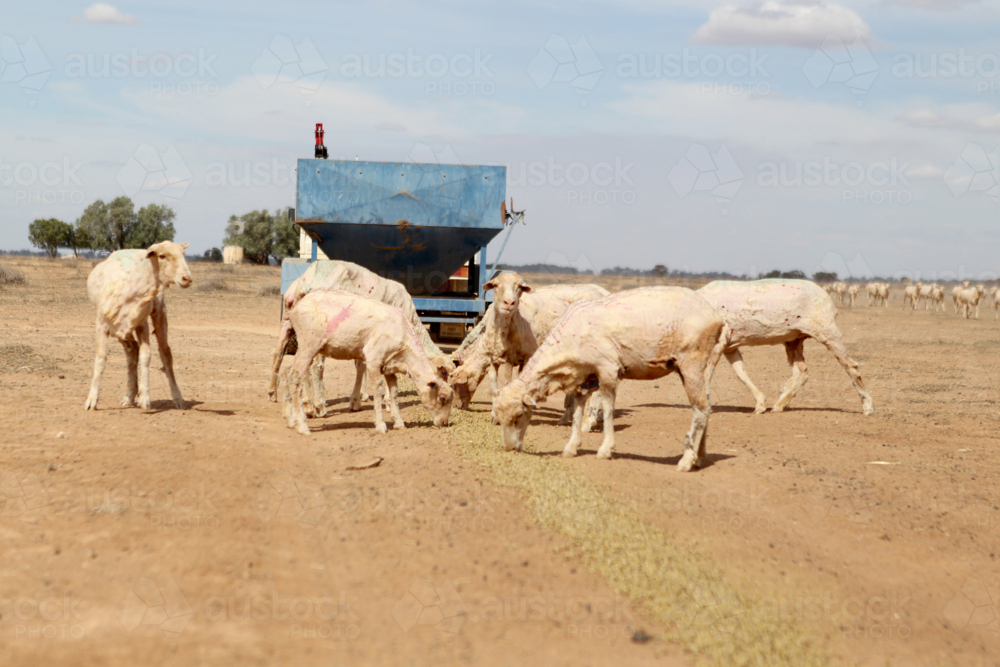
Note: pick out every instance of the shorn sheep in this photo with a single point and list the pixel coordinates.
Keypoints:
(780, 312)
(350, 277)
(514, 327)
(343, 325)
(127, 289)
(638, 334)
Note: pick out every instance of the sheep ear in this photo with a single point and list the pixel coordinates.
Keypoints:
(151, 253)
(432, 384)
(529, 401)
(185, 245)
(489, 285)
(525, 287)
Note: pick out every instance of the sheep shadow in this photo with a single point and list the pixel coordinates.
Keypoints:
(158, 407)
(741, 408)
(707, 462)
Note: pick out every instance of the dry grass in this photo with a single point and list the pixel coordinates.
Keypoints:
(23, 359)
(214, 285)
(269, 290)
(11, 276)
(677, 586)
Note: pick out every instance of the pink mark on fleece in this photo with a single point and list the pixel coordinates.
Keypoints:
(337, 319)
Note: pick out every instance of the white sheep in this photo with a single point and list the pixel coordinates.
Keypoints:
(344, 325)
(638, 334)
(127, 289)
(780, 312)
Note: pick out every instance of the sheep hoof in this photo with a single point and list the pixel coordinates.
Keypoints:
(303, 429)
(687, 462)
(601, 454)
(399, 426)
(180, 404)
(144, 403)
(569, 453)
(381, 428)
(128, 402)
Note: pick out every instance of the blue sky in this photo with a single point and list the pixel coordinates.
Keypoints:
(856, 136)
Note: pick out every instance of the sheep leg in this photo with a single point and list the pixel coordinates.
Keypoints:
(392, 386)
(491, 372)
(696, 387)
(358, 394)
(373, 374)
(279, 356)
(606, 396)
(569, 410)
(298, 375)
(100, 361)
(796, 359)
(317, 389)
(142, 335)
(579, 401)
(836, 347)
(735, 360)
(166, 356)
(132, 363)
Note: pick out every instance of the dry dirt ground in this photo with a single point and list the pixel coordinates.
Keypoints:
(215, 535)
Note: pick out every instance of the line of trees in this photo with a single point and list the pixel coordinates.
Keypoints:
(111, 226)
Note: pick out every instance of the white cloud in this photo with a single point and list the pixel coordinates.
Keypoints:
(797, 23)
(935, 5)
(927, 118)
(926, 171)
(101, 12)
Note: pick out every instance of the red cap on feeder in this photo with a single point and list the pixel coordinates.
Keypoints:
(321, 151)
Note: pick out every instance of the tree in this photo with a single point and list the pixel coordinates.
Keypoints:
(50, 235)
(660, 271)
(262, 236)
(155, 223)
(213, 255)
(825, 276)
(784, 274)
(116, 225)
(772, 274)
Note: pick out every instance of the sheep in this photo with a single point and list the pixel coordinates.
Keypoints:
(840, 289)
(995, 293)
(883, 294)
(910, 294)
(954, 294)
(514, 327)
(852, 292)
(637, 334)
(777, 311)
(127, 289)
(341, 275)
(937, 297)
(345, 325)
(872, 290)
(970, 297)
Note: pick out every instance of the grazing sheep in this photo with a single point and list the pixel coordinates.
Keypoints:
(515, 325)
(937, 297)
(780, 312)
(127, 289)
(344, 325)
(871, 289)
(350, 277)
(852, 292)
(638, 334)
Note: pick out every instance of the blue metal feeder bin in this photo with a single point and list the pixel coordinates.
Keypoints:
(414, 223)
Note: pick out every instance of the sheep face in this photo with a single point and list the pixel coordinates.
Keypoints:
(168, 257)
(507, 289)
(513, 411)
(437, 397)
